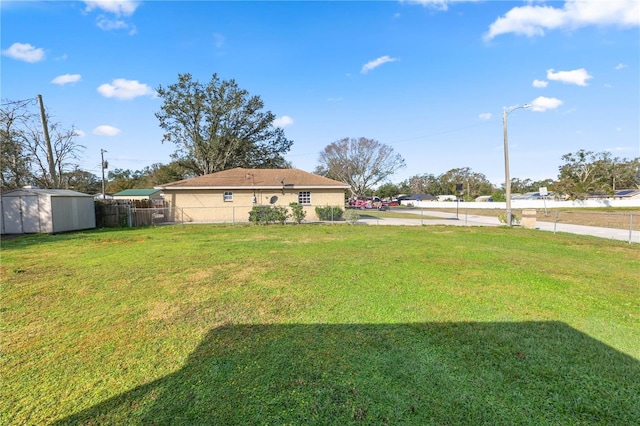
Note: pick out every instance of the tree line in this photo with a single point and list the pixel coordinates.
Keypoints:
(217, 126)
(583, 173)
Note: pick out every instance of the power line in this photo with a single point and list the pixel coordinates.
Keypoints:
(32, 101)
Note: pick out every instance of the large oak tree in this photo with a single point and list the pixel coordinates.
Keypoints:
(362, 163)
(218, 126)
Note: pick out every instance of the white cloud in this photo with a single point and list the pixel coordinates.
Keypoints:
(125, 89)
(541, 104)
(107, 24)
(533, 21)
(579, 76)
(117, 7)
(106, 130)
(24, 52)
(66, 79)
(539, 83)
(79, 133)
(436, 4)
(485, 116)
(111, 24)
(620, 66)
(218, 40)
(283, 121)
(376, 63)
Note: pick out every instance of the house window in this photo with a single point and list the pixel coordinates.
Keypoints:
(228, 196)
(304, 197)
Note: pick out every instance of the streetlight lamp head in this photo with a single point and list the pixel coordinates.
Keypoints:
(526, 106)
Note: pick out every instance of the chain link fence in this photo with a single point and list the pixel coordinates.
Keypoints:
(126, 215)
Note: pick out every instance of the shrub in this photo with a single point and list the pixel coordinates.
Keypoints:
(265, 215)
(329, 213)
(280, 214)
(351, 216)
(297, 212)
(514, 219)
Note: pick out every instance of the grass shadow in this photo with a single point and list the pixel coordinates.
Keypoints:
(422, 373)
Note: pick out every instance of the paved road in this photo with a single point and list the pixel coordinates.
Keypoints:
(427, 218)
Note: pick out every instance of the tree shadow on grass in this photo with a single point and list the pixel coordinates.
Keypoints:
(423, 373)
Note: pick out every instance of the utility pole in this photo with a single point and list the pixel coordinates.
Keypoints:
(47, 140)
(102, 166)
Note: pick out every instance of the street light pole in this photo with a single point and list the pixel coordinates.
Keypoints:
(507, 177)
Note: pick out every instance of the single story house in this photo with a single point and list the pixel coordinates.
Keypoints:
(34, 210)
(627, 194)
(139, 194)
(229, 195)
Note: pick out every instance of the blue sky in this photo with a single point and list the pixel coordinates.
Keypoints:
(430, 78)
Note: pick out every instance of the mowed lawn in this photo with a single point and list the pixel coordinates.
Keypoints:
(319, 324)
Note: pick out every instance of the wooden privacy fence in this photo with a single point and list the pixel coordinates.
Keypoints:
(130, 213)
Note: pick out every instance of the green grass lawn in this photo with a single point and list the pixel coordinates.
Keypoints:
(322, 324)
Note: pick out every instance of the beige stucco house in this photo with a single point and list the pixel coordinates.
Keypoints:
(229, 196)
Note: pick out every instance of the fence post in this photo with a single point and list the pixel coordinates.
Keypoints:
(555, 222)
(630, 226)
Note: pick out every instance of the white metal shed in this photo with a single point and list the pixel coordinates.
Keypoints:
(30, 210)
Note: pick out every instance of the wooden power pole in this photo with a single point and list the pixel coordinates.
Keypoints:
(47, 140)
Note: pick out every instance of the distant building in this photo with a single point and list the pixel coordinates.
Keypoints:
(139, 194)
(99, 197)
(408, 200)
(484, 198)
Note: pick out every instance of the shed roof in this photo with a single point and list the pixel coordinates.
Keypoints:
(46, 192)
(136, 193)
(240, 178)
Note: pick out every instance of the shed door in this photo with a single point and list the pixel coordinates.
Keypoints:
(30, 215)
(12, 215)
(21, 215)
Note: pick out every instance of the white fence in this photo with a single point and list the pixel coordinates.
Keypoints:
(527, 204)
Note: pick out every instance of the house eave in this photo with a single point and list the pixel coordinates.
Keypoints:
(249, 188)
